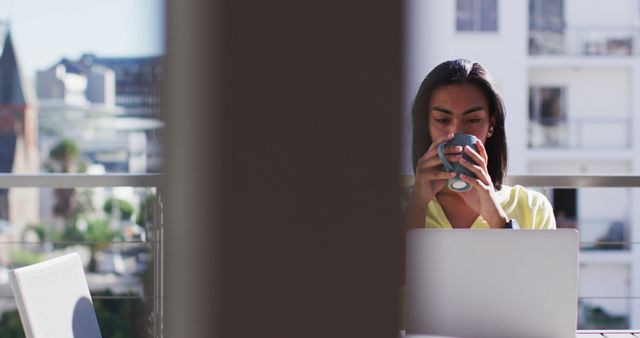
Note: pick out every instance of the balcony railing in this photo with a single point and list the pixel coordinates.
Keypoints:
(601, 309)
(613, 132)
(575, 181)
(142, 284)
(593, 41)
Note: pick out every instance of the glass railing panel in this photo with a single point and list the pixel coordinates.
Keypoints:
(112, 222)
(603, 209)
(592, 41)
(120, 278)
(579, 133)
(548, 133)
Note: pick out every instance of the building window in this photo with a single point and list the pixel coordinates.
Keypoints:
(546, 15)
(477, 15)
(547, 117)
(546, 27)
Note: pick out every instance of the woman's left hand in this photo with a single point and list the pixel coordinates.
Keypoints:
(482, 198)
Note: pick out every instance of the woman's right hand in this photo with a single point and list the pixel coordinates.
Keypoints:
(430, 177)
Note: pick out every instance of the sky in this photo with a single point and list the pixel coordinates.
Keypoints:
(44, 31)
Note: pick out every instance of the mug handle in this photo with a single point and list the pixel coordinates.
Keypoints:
(443, 158)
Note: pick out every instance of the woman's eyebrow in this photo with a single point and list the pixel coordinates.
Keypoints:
(468, 111)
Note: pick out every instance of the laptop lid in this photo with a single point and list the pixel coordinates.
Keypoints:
(492, 283)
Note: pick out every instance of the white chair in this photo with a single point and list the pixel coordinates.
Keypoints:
(53, 299)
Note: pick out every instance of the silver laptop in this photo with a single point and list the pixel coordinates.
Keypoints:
(492, 283)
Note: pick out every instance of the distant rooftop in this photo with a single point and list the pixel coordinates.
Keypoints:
(86, 61)
(11, 91)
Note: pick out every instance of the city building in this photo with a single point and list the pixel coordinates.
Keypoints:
(138, 87)
(137, 81)
(18, 138)
(568, 76)
(84, 94)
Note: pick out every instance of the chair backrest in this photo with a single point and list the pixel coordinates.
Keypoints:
(53, 299)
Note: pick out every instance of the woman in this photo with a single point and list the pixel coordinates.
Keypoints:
(459, 96)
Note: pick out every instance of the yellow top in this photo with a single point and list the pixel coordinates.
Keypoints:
(530, 208)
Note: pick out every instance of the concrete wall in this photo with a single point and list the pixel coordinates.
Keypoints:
(594, 13)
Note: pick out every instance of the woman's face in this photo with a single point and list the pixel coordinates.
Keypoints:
(459, 108)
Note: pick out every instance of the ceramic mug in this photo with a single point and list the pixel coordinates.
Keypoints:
(455, 183)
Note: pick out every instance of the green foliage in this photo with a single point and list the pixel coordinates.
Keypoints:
(125, 208)
(98, 232)
(64, 157)
(117, 318)
(596, 318)
(23, 258)
(10, 325)
(65, 150)
(101, 233)
(121, 318)
(68, 236)
(84, 201)
(147, 210)
(38, 229)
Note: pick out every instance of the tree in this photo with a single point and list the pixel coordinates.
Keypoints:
(63, 158)
(65, 154)
(99, 235)
(147, 211)
(124, 208)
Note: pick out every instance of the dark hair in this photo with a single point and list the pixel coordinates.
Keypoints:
(462, 71)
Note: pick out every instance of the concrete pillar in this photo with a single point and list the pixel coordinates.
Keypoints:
(282, 190)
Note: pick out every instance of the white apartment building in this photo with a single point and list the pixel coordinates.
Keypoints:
(569, 73)
(80, 105)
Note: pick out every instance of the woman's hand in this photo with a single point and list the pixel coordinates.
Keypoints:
(430, 177)
(482, 198)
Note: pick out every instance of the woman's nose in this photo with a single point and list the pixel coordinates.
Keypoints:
(457, 127)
